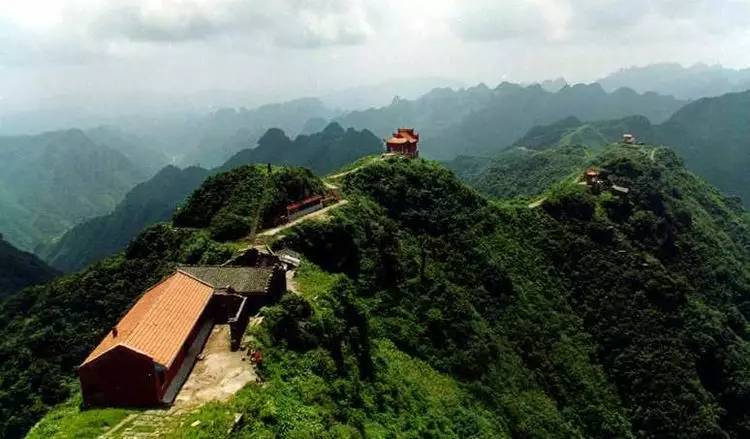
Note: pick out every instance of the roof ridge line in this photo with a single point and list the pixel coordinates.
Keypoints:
(192, 276)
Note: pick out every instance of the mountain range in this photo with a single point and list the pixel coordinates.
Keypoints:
(52, 181)
(155, 200)
(480, 120)
(711, 134)
(693, 82)
(426, 309)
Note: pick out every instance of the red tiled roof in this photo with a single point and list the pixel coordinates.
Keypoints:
(396, 141)
(162, 319)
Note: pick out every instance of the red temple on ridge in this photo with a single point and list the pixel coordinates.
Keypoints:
(404, 141)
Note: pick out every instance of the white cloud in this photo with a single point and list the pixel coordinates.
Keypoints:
(292, 23)
(287, 48)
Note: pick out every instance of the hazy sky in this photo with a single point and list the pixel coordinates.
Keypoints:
(100, 51)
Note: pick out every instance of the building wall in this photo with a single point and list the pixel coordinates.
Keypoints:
(119, 377)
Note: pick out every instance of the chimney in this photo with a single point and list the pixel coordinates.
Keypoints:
(114, 331)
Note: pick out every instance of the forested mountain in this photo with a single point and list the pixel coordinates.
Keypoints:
(46, 330)
(147, 203)
(19, 269)
(482, 121)
(52, 181)
(521, 172)
(322, 152)
(155, 200)
(694, 82)
(712, 134)
(438, 312)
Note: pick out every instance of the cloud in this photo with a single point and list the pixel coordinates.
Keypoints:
(480, 21)
(592, 20)
(287, 23)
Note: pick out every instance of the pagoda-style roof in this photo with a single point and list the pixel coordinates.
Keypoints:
(403, 136)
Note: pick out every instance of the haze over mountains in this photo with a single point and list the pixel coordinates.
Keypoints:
(155, 200)
(693, 82)
(474, 121)
(712, 135)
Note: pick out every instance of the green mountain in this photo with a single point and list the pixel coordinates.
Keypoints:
(47, 330)
(426, 309)
(20, 269)
(521, 172)
(711, 134)
(52, 181)
(155, 200)
(322, 152)
(694, 82)
(483, 121)
(572, 131)
(148, 203)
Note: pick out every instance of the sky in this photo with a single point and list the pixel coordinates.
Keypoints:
(99, 54)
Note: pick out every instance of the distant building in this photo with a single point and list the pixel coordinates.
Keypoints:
(591, 176)
(404, 141)
(628, 139)
(148, 355)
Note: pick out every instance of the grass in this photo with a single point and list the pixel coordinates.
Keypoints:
(313, 282)
(363, 161)
(67, 420)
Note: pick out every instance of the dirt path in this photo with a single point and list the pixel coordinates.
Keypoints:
(537, 203)
(316, 214)
(341, 174)
(218, 375)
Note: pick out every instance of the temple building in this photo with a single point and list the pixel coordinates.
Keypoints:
(147, 356)
(404, 141)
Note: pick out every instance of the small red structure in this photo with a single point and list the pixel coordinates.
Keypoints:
(404, 142)
(591, 176)
(301, 208)
(309, 205)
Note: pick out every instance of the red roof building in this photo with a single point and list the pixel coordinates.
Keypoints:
(148, 355)
(139, 358)
(404, 141)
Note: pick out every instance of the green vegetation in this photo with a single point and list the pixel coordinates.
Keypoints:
(710, 134)
(427, 310)
(235, 204)
(20, 269)
(68, 420)
(52, 181)
(148, 203)
(520, 171)
(45, 331)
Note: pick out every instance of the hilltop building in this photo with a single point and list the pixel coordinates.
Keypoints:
(148, 355)
(404, 141)
(628, 139)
